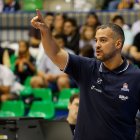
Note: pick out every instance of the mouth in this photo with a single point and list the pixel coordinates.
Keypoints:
(98, 52)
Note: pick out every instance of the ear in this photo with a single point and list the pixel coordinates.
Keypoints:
(118, 44)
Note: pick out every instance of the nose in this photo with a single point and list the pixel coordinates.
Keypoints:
(97, 45)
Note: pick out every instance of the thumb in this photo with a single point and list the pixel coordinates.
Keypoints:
(39, 15)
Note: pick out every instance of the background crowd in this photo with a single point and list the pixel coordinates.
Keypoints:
(28, 63)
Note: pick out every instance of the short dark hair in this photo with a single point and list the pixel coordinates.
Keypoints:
(49, 14)
(60, 36)
(64, 16)
(74, 96)
(118, 17)
(26, 43)
(115, 28)
(72, 21)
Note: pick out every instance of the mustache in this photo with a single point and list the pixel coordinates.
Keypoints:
(98, 49)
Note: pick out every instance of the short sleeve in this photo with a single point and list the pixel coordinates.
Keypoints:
(78, 67)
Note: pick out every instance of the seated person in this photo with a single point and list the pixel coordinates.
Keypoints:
(5, 56)
(135, 50)
(54, 78)
(72, 112)
(25, 63)
(11, 6)
(8, 84)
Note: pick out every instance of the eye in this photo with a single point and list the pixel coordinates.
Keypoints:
(103, 40)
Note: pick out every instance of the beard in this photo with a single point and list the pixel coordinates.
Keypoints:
(105, 57)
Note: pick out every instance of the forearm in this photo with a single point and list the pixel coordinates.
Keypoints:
(49, 44)
(56, 54)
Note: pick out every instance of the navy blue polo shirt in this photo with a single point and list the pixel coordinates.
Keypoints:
(109, 100)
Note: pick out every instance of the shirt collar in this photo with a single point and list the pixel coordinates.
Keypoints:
(118, 70)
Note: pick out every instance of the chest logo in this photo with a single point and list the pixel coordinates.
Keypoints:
(125, 87)
(123, 98)
(96, 89)
(99, 81)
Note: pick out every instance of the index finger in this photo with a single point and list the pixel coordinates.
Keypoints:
(39, 15)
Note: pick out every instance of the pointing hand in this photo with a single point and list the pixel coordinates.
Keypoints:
(38, 21)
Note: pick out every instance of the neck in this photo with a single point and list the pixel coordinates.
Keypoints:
(113, 63)
(71, 121)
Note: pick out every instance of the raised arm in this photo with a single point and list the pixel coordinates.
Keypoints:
(57, 55)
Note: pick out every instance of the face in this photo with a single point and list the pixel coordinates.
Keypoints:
(49, 20)
(22, 48)
(58, 21)
(119, 22)
(73, 108)
(106, 47)
(60, 42)
(68, 28)
(91, 20)
(89, 33)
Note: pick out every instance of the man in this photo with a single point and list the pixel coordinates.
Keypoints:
(11, 6)
(72, 35)
(73, 111)
(109, 87)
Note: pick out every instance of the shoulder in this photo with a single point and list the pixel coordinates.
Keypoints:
(81, 63)
(81, 58)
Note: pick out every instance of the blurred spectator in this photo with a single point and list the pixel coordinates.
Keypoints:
(91, 20)
(135, 50)
(25, 63)
(72, 35)
(73, 107)
(136, 27)
(113, 4)
(34, 40)
(105, 4)
(63, 82)
(49, 20)
(5, 56)
(1, 6)
(61, 42)
(137, 136)
(117, 19)
(137, 5)
(73, 111)
(51, 74)
(11, 6)
(34, 37)
(8, 84)
(87, 38)
(1, 52)
(125, 4)
(87, 51)
(58, 23)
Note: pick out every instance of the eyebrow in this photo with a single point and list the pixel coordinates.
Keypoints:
(100, 38)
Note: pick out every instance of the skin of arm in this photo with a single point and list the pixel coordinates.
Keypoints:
(58, 55)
